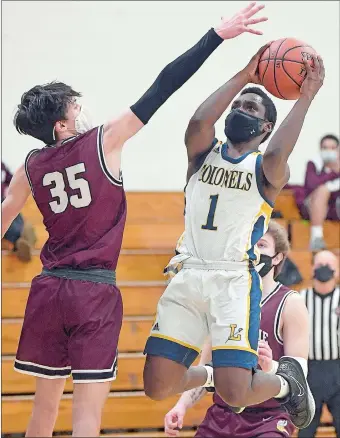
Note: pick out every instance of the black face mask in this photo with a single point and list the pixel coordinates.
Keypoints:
(241, 127)
(323, 273)
(267, 263)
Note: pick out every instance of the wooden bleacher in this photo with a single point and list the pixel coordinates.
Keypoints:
(154, 223)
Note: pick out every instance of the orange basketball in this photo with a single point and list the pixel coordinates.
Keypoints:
(281, 68)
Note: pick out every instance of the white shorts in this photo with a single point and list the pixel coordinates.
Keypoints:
(222, 300)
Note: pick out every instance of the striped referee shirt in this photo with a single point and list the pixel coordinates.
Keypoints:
(324, 340)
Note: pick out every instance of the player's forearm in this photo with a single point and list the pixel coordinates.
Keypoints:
(189, 398)
(8, 214)
(283, 142)
(174, 75)
(213, 108)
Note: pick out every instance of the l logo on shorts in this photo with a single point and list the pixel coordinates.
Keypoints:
(234, 335)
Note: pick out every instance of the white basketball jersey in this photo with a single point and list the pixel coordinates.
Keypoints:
(225, 210)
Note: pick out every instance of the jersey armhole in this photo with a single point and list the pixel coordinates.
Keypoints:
(200, 160)
(278, 316)
(259, 183)
(28, 156)
(101, 156)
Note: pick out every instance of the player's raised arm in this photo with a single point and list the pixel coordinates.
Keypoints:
(18, 192)
(275, 167)
(200, 132)
(174, 75)
(170, 79)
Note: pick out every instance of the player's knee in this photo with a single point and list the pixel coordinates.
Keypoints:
(156, 387)
(232, 388)
(156, 392)
(160, 377)
(321, 193)
(47, 409)
(232, 395)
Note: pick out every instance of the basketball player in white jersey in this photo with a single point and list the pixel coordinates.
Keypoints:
(230, 193)
(283, 331)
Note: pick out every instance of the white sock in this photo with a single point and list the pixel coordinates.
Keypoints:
(210, 377)
(284, 391)
(316, 231)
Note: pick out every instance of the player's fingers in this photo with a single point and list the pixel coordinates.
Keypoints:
(307, 65)
(171, 432)
(262, 342)
(316, 64)
(264, 352)
(262, 49)
(254, 10)
(248, 8)
(180, 421)
(322, 67)
(254, 31)
(171, 420)
(255, 20)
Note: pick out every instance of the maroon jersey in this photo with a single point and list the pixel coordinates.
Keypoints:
(271, 311)
(82, 203)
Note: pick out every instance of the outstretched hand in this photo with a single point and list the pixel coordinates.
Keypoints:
(238, 24)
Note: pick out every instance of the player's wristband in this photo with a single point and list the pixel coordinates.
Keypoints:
(174, 75)
(275, 366)
(209, 383)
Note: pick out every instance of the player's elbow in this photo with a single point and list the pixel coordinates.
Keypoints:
(198, 123)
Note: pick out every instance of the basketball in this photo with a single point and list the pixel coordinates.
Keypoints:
(281, 68)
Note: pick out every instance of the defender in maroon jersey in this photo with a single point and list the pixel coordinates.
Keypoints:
(283, 331)
(74, 310)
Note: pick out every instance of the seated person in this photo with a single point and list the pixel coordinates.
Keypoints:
(20, 233)
(319, 198)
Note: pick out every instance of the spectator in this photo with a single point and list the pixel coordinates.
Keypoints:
(322, 301)
(20, 233)
(319, 198)
(322, 185)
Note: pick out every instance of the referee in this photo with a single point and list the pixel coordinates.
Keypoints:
(323, 301)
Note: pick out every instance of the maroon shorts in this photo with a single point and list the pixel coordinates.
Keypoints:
(222, 423)
(71, 326)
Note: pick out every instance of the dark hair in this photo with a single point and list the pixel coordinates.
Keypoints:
(271, 113)
(329, 137)
(41, 107)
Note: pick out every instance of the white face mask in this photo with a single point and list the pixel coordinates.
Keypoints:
(83, 121)
(329, 156)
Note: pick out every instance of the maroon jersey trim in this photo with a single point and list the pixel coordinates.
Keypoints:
(102, 160)
(279, 315)
(273, 292)
(26, 168)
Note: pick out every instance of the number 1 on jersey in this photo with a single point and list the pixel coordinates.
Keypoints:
(211, 215)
